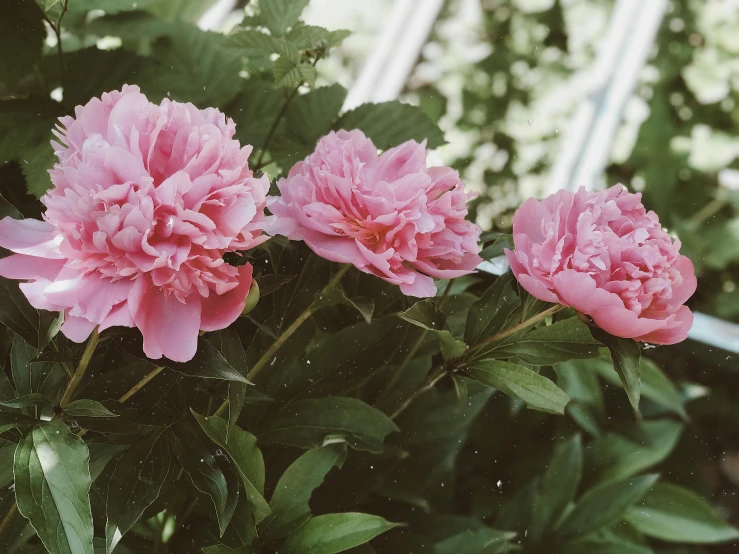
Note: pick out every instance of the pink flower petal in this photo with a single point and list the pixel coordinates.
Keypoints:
(31, 237)
(77, 329)
(220, 311)
(169, 327)
(21, 266)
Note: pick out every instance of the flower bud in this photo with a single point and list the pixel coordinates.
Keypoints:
(252, 298)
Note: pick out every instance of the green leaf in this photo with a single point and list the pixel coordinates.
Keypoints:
(391, 123)
(52, 487)
(332, 533)
(364, 305)
(609, 545)
(293, 491)
(253, 43)
(674, 514)
(22, 36)
(241, 446)
(496, 309)
(87, 408)
(279, 15)
(30, 378)
(212, 475)
(425, 315)
(311, 423)
(497, 248)
(290, 74)
(192, 66)
(558, 485)
(34, 399)
(135, 484)
(643, 445)
(36, 163)
(520, 382)
(605, 504)
(310, 37)
(478, 541)
(234, 353)
(16, 419)
(625, 354)
(564, 340)
(208, 363)
(655, 385)
(658, 388)
(309, 117)
(16, 313)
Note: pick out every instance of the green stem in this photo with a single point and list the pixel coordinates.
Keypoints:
(286, 334)
(79, 373)
(8, 518)
(453, 365)
(433, 377)
(497, 337)
(276, 122)
(398, 372)
(708, 211)
(141, 384)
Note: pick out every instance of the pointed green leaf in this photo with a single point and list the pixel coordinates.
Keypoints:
(289, 502)
(312, 423)
(625, 354)
(135, 484)
(279, 15)
(496, 309)
(391, 123)
(34, 399)
(520, 382)
(208, 363)
(310, 37)
(331, 533)
(425, 315)
(52, 487)
(212, 475)
(674, 514)
(87, 408)
(605, 504)
(241, 446)
(558, 485)
(561, 341)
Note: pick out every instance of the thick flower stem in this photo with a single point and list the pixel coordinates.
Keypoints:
(141, 384)
(79, 373)
(286, 334)
(497, 337)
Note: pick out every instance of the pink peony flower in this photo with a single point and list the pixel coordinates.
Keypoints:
(603, 254)
(388, 215)
(146, 201)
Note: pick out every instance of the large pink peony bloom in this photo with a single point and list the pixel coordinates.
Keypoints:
(603, 254)
(389, 215)
(146, 201)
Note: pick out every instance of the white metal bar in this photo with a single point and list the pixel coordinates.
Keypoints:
(395, 53)
(216, 14)
(623, 53)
